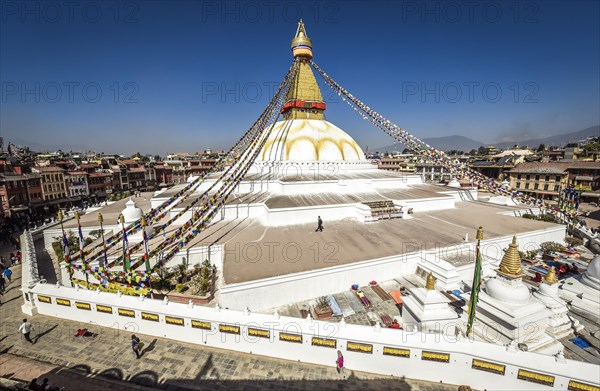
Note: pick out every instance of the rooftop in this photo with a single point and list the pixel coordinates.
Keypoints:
(541, 168)
(349, 241)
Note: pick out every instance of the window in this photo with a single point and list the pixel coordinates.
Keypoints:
(557, 178)
(527, 185)
(546, 186)
(528, 177)
(536, 186)
(547, 178)
(519, 176)
(537, 177)
(519, 185)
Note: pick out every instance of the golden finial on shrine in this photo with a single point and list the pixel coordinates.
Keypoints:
(77, 216)
(430, 285)
(479, 234)
(510, 266)
(550, 277)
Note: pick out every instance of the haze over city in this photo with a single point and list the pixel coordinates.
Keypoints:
(139, 76)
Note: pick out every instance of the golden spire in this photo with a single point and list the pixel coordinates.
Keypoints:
(430, 285)
(550, 277)
(304, 99)
(510, 266)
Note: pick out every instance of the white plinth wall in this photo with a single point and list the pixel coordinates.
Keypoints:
(432, 357)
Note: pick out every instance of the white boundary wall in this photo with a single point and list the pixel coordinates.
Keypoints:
(60, 301)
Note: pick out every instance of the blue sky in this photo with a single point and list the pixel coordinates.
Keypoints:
(159, 77)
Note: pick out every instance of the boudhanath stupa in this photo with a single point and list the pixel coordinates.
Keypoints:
(377, 224)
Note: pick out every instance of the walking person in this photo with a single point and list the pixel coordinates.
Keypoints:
(136, 346)
(319, 224)
(2, 284)
(26, 328)
(8, 273)
(339, 363)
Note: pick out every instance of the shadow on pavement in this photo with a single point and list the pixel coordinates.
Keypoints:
(149, 348)
(40, 335)
(148, 379)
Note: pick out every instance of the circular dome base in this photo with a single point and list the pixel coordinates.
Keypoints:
(310, 140)
(507, 291)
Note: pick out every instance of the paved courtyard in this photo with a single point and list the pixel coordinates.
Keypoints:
(107, 362)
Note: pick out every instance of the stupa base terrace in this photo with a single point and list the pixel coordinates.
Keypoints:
(265, 243)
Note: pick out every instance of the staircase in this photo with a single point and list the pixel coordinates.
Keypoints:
(384, 209)
(465, 195)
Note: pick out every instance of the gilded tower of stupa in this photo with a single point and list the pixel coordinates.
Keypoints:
(304, 135)
(510, 266)
(304, 99)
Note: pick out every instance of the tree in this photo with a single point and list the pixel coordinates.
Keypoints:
(541, 148)
(548, 247)
(96, 233)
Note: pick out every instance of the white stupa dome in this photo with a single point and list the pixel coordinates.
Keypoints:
(454, 183)
(310, 140)
(131, 213)
(502, 290)
(591, 277)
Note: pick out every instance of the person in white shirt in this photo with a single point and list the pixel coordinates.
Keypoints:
(26, 328)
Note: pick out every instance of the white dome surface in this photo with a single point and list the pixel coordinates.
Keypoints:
(591, 277)
(131, 213)
(502, 291)
(310, 140)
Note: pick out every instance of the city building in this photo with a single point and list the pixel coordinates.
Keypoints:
(585, 176)
(545, 180)
(53, 183)
(398, 164)
(77, 184)
(431, 172)
(100, 184)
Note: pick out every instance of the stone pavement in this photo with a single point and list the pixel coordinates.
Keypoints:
(107, 362)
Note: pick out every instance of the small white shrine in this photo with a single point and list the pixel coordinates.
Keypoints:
(428, 310)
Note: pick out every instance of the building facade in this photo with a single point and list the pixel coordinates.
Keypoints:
(77, 184)
(545, 180)
(53, 183)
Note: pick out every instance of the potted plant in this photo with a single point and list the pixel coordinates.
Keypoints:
(322, 308)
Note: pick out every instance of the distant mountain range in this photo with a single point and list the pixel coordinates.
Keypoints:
(466, 144)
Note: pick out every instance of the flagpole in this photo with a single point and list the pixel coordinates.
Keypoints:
(105, 260)
(84, 263)
(125, 243)
(476, 283)
(146, 256)
(65, 247)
